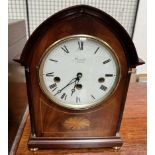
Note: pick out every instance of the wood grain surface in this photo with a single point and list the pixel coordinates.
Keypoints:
(133, 130)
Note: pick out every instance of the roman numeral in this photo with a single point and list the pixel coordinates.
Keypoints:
(50, 74)
(106, 61)
(80, 43)
(52, 85)
(53, 60)
(64, 96)
(64, 48)
(96, 50)
(104, 88)
(109, 75)
(77, 99)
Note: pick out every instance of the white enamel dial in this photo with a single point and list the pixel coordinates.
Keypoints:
(78, 72)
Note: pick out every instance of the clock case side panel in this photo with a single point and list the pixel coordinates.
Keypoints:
(30, 101)
(123, 103)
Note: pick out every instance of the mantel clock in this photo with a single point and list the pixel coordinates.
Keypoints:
(78, 65)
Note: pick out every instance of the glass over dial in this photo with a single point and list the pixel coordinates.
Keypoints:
(78, 72)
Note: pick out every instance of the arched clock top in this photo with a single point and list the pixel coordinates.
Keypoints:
(81, 12)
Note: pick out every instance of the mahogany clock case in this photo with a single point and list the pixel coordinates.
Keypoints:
(53, 126)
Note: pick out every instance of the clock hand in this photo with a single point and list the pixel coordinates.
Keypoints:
(71, 82)
(73, 90)
(79, 75)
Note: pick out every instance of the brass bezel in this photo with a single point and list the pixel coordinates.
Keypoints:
(45, 55)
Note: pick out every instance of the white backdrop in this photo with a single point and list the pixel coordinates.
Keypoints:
(140, 35)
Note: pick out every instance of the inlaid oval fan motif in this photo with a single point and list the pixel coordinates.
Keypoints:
(76, 123)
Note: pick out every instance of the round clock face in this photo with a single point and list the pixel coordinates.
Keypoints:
(78, 72)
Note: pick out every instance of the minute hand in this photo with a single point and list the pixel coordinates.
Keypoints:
(71, 82)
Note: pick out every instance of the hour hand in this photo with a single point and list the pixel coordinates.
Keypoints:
(79, 75)
(73, 90)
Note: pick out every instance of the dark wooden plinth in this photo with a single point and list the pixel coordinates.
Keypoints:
(75, 143)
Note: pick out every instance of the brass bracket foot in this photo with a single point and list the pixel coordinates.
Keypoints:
(33, 149)
(117, 148)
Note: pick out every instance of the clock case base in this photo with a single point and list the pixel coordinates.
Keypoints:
(46, 143)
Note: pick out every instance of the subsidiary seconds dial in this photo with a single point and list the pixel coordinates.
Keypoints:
(78, 72)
